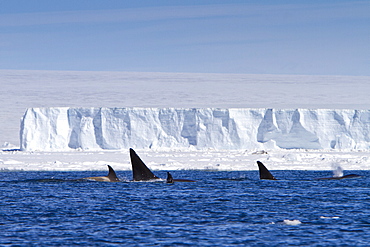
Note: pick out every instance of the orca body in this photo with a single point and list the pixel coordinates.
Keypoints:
(342, 177)
(264, 172)
(111, 177)
(171, 180)
(140, 171)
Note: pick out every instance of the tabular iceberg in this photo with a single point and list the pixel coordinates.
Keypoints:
(49, 129)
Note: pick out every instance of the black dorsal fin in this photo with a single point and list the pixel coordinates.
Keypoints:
(264, 173)
(139, 170)
(169, 178)
(112, 174)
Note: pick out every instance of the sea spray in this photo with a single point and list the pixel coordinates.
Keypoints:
(337, 170)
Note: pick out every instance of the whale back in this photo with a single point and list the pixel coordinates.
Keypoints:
(342, 177)
(111, 177)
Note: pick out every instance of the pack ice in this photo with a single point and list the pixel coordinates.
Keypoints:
(53, 129)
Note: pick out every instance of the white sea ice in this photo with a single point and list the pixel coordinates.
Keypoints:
(292, 222)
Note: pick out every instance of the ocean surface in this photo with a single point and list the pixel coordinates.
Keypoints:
(220, 209)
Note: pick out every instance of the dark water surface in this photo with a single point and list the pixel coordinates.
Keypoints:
(221, 209)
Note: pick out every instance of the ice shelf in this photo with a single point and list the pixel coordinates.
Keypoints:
(47, 129)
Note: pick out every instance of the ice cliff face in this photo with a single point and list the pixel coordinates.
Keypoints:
(242, 128)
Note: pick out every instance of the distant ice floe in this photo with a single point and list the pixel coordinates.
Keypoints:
(64, 128)
(292, 222)
(329, 217)
(287, 222)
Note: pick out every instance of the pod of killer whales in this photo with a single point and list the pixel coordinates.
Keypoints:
(141, 172)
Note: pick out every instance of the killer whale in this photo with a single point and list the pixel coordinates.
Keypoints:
(264, 172)
(171, 180)
(140, 172)
(111, 177)
(342, 177)
(338, 174)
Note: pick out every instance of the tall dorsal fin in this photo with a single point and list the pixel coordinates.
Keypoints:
(169, 178)
(264, 173)
(139, 170)
(112, 175)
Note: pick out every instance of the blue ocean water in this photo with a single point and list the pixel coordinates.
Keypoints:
(220, 209)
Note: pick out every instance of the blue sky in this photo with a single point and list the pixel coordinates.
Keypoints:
(252, 37)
